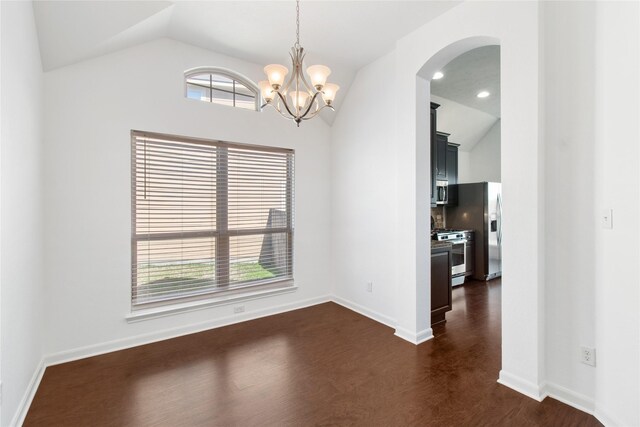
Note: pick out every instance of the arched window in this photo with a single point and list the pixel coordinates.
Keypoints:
(221, 86)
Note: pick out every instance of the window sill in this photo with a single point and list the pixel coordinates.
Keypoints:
(153, 313)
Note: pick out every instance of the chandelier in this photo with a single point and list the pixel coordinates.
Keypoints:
(306, 100)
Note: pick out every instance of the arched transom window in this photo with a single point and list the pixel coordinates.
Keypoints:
(221, 86)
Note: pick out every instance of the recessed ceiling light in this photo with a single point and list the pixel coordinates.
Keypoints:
(438, 75)
(483, 94)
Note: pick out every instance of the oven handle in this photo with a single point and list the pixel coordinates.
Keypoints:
(457, 241)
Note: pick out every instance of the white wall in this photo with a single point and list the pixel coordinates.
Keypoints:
(617, 178)
(21, 212)
(362, 195)
(570, 249)
(592, 63)
(482, 163)
(91, 108)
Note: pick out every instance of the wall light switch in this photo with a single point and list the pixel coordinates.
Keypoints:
(606, 218)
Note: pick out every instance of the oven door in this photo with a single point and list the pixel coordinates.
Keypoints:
(458, 257)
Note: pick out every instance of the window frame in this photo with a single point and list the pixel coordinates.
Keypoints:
(221, 234)
(230, 74)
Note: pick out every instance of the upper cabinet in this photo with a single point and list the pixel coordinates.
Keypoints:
(452, 173)
(444, 161)
(442, 139)
(434, 126)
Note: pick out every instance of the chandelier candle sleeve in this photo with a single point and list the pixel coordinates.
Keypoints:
(306, 99)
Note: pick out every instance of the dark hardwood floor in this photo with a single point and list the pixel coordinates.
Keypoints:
(323, 365)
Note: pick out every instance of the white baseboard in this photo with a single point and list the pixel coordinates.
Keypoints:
(521, 385)
(30, 392)
(115, 345)
(412, 337)
(371, 314)
(569, 397)
(606, 419)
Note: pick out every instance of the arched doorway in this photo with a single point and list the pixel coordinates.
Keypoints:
(418, 56)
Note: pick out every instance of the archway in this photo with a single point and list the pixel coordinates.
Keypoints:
(417, 57)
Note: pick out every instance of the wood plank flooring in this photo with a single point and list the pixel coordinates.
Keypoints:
(322, 365)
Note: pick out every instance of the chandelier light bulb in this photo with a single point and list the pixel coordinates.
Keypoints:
(276, 74)
(299, 98)
(329, 92)
(318, 75)
(266, 90)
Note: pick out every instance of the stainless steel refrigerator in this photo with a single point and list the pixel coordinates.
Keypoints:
(480, 209)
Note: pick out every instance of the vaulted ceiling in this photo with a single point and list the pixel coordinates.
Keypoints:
(344, 35)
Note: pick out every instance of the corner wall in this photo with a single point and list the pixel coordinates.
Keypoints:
(482, 163)
(363, 183)
(570, 249)
(91, 108)
(617, 179)
(21, 223)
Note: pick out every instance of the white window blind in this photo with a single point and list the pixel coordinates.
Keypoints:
(208, 217)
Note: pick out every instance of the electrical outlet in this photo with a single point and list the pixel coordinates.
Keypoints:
(588, 355)
(369, 286)
(607, 218)
(238, 309)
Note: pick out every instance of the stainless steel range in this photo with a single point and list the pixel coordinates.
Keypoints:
(460, 252)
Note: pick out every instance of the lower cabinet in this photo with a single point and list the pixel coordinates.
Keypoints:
(440, 283)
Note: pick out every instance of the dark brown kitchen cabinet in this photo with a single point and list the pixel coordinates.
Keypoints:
(432, 142)
(442, 140)
(440, 283)
(452, 173)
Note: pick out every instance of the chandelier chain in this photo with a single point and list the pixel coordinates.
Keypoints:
(297, 23)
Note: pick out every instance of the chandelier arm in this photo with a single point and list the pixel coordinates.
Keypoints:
(288, 117)
(307, 85)
(300, 54)
(315, 113)
(291, 77)
(284, 101)
(315, 95)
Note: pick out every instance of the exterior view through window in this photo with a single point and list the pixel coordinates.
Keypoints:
(209, 218)
(221, 87)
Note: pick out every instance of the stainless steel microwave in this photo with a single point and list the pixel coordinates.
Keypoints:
(442, 192)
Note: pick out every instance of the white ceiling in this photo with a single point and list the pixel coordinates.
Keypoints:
(344, 35)
(470, 73)
(466, 125)
(462, 114)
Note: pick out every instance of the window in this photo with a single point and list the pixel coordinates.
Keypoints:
(209, 218)
(222, 86)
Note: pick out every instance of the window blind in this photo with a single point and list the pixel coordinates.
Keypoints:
(208, 217)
